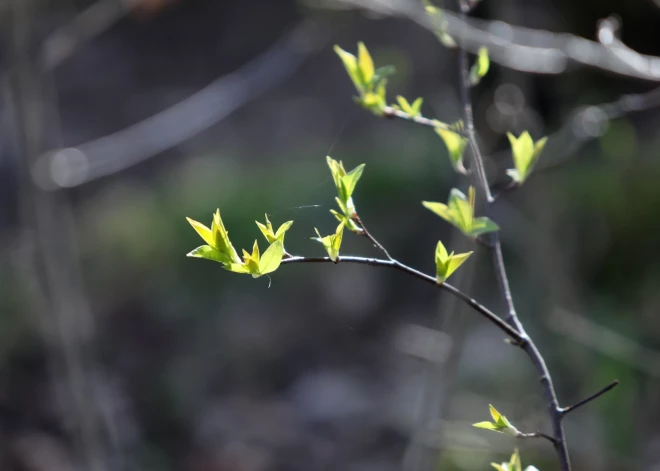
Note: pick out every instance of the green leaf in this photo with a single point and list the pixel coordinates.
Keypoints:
(455, 144)
(203, 231)
(525, 155)
(405, 106)
(459, 211)
(445, 263)
(417, 106)
(269, 234)
(351, 65)
(271, 258)
(209, 253)
(221, 238)
(365, 64)
(332, 242)
(480, 67)
(350, 180)
(486, 426)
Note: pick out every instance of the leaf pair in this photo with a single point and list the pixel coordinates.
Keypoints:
(446, 264)
(414, 109)
(455, 143)
(460, 212)
(525, 155)
(500, 424)
(369, 82)
(220, 249)
(345, 184)
(332, 242)
(514, 464)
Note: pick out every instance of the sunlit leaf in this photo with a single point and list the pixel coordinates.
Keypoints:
(332, 242)
(221, 238)
(440, 209)
(271, 258)
(365, 63)
(486, 426)
(350, 180)
(351, 65)
(525, 155)
(459, 211)
(480, 67)
(455, 144)
(209, 253)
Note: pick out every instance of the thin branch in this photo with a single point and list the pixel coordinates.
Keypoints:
(172, 126)
(612, 385)
(537, 435)
(368, 235)
(481, 309)
(500, 269)
(391, 112)
(516, 47)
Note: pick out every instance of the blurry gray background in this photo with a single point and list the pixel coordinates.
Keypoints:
(120, 118)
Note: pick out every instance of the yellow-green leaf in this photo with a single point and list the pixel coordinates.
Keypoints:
(271, 258)
(480, 67)
(365, 64)
(440, 209)
(525, 155)
(221, 238)
(349, 181)
(351, 65)
(203, 231)
(486, 426)
(455, 144)
(209, 253)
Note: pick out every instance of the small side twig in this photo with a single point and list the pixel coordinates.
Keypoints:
(371, 238)
(537, 435)
(390, 112)
(596, 395)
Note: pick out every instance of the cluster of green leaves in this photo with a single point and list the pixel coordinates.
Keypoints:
(526, 153)
(345, 183)
(369, 82)
(499, 424)
(219, 248)
(514, 464)
(459, 211)
(332, 242)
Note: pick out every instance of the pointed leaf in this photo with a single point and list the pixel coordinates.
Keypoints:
(267, 234)
(271, 258)
(351, 178)
(351, 66)
(203, 231)
(282, 229)
(365, 63)
(440, 209)
(221, 238)
(455, 144)
(480, 67)
(405, 106)
(462, 211)
(486, 426)
(483, 225)
(441, 252)
(456, 261)
(209, 253)
(494, 413)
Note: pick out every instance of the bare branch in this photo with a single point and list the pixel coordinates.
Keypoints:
(612, 385)
(524, 49)
(481, 309)
(141, 141)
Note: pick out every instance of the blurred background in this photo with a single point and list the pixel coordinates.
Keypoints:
(119, 118)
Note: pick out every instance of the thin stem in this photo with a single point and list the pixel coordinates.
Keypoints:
(528, 346)
(368, 235)
(481, 309)
(391, 112)
(612, 385)
(537, 435)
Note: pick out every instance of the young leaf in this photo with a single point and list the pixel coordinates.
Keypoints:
(459, 211)
(269, 234)
(365, 64)
(221, 238)
(525, 155)
(271, 259)
(514, 464)
(446, 264)
(332, 242)
(203, 231)
(351, 65)
(480, 67)
(455, 144)
(349, 181)
(209, 253)
(500, 424)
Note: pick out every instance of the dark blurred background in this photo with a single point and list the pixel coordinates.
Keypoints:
(120, 118)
